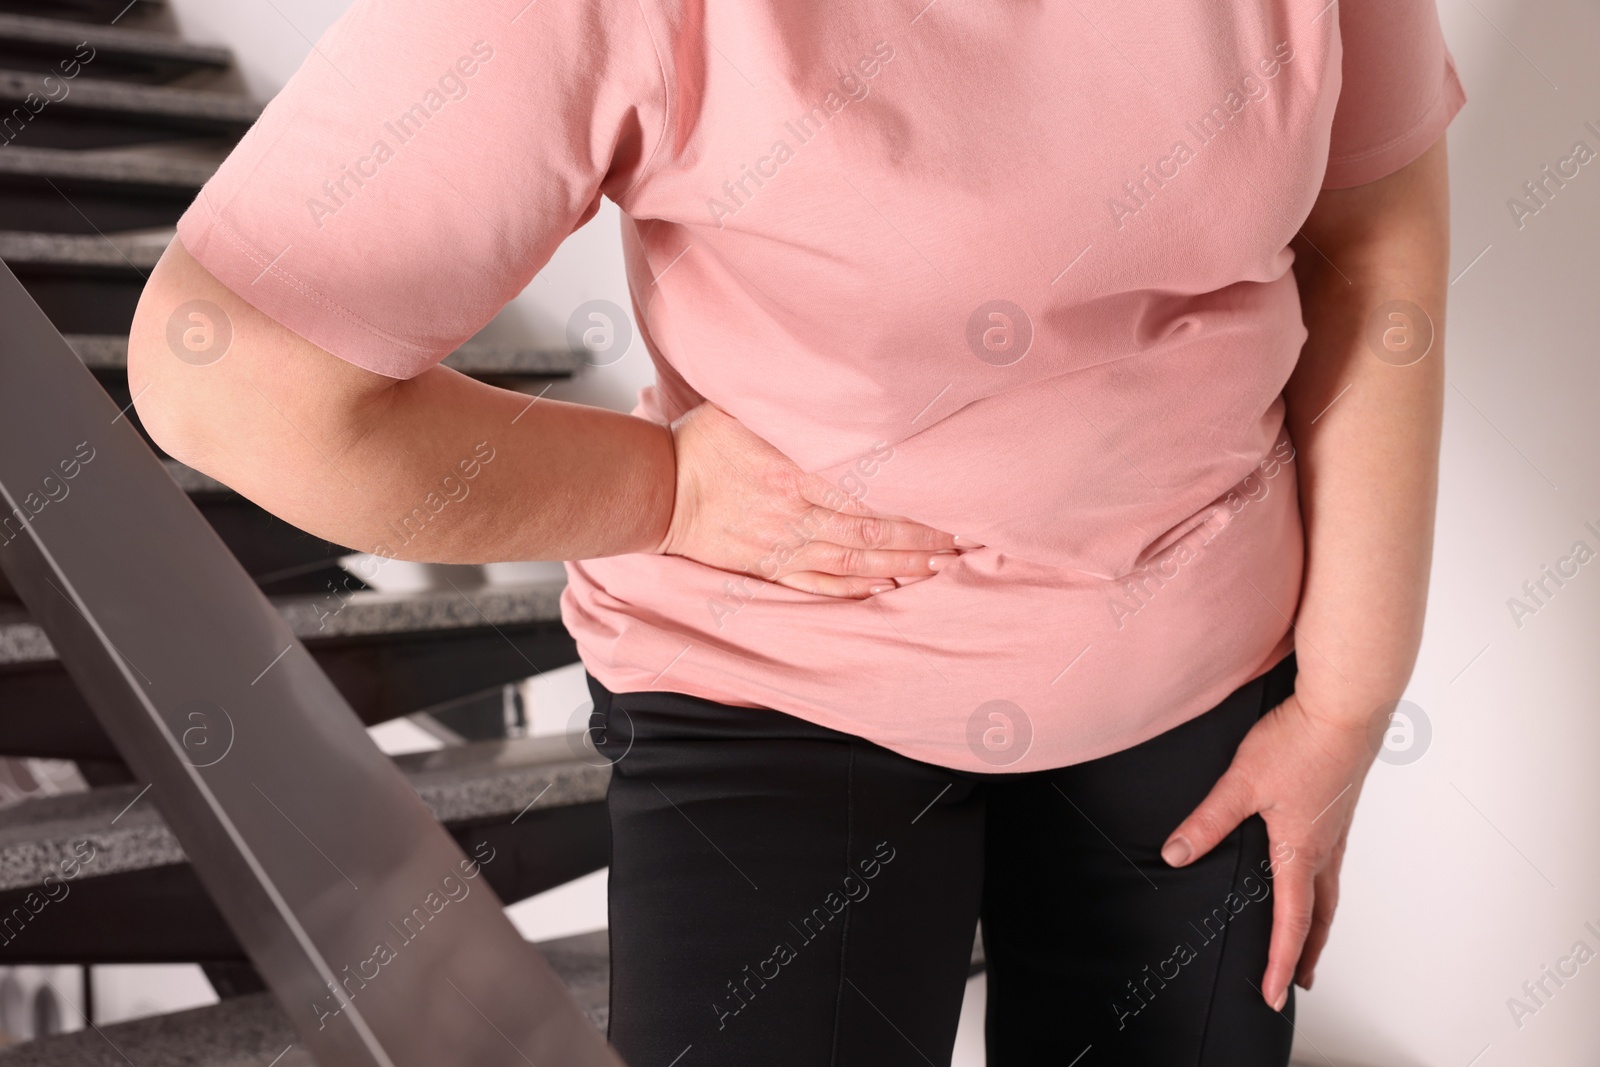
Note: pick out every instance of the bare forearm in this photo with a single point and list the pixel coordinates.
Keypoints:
(439, 468)
(456, 471)
(1366, 428)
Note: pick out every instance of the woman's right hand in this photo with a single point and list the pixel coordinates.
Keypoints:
(741, 505)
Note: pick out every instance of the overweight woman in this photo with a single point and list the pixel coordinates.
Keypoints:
(1030, 517)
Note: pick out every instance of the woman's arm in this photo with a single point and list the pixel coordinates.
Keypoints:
(1366, 421)
(1366, 430)
(345, 453)
(351, 456)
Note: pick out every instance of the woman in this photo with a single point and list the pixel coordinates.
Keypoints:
(1031, 517)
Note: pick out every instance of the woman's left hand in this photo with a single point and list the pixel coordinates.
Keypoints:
(1302, 772)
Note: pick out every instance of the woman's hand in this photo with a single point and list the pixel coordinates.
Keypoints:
(741, 505)
(1302, 772)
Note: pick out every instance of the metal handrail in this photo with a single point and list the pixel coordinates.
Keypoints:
(378, 936)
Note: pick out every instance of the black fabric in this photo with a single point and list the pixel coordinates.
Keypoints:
(782, 893)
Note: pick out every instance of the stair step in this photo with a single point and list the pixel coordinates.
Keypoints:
(57, 190)
(480, 359)
(40, 45)
(85, 284)
(364, 613)
(252, 1031)
(101, 11)
(133, 253)
(101, 113)
(477, 783)
(128, 169)
(389, 654)
(532, 812)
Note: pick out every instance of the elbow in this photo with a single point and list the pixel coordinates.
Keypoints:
(166, 419)
(174, 405)
(186, 368)
(228, 391)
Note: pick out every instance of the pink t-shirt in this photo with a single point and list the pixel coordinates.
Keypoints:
(1017, 271)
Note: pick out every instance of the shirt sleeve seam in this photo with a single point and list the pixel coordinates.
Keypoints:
(1428, 115)
(668, 113)
(243, 246)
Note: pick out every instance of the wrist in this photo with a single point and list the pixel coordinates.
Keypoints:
(1341, 708)
(1345, 684)
(655, 489)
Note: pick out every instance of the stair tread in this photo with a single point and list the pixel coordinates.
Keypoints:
(116, 40)
(110, 352)
(136, 251)
(483, 781)
(163, 101)
(362, 613)
(123, 168)
(252, 1031)
(76, 12)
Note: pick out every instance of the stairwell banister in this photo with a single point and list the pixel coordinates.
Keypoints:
(309, 840)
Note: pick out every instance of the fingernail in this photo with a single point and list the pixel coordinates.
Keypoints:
(875, 590)
(1177, 851)
(966, 542)
(1283, 998)
(939, 559)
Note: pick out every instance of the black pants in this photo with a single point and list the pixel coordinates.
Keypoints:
(786, 894)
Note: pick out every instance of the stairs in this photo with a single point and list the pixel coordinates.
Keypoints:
(102, 12)
(73, 192)
(35, 46)
(388, 654)
(92, 184)
(134, 120)
(532, 810)
(101, 113)
(251, 1031)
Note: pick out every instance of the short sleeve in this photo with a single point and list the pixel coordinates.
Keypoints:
(1399, 92)
(424, 163)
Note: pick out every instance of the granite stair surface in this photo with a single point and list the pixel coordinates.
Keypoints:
(532, 809)
(103, 12)
(94, 192)
(361, 614)
(479, 783)
(135, 252)
(32, 44)
(97, 112)
(389, 654)
(252, 1031)
(84, 283)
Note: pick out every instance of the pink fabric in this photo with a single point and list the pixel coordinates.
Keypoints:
(1018, 271)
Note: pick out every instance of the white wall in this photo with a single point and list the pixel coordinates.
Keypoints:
(1478, 864)
(1474, 866)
